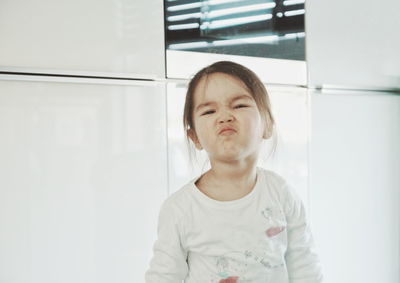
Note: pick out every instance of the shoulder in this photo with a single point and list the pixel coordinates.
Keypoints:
(272, 178)
(178, 202)
(278, 185)
(273, 181)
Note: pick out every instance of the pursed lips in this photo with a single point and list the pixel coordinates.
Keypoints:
(224, 129)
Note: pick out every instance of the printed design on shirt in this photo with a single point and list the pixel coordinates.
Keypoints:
(274, 214)
(235, 265)
(233, 279)
(275, 241)
(267, 252)
(229, 265)
(276, 219)
(273, 231)
(262, 258)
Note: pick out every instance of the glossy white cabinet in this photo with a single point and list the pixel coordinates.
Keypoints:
(353, 44)
(105, 38)
(82, 177)
(270, 70)
(290, 107)
(355, 185)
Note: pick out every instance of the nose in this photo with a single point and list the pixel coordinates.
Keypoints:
(225, 116)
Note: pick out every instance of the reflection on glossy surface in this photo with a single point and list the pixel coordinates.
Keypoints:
(78, 200)
(259, 28)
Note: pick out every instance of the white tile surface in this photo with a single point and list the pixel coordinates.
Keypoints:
(79, 199)
(355, 185)
(97, 38)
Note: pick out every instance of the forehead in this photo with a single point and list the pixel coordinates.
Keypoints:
(219, 86)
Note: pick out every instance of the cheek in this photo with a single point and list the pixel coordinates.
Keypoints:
(204, 131)
(254, 124)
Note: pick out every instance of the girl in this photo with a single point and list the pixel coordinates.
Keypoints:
(236, 222)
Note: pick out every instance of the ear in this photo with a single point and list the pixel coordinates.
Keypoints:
(192, 135)
(267, 131)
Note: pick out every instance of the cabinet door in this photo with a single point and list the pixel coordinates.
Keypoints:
(353, 43)
(83, 174)
(93, 38)
(355, 196)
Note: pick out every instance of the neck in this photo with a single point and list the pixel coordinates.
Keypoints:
(236, 175)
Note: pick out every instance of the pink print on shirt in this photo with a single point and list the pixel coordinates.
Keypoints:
(273, 231)
(232, 279)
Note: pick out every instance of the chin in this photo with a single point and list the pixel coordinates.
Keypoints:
(232, 156)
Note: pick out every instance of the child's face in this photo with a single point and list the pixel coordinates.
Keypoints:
(229, 104)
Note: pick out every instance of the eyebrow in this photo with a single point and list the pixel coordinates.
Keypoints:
(244, 96)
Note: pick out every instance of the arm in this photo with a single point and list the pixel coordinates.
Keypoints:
(168, 264)
(301, 260)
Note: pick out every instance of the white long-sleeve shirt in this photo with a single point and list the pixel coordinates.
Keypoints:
(262, 237)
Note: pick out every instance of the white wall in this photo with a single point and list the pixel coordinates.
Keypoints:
(355, 185)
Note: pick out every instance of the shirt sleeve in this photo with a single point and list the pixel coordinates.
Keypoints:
(168, 264)
(301, 259)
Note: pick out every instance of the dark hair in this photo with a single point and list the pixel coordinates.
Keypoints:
(248, 77)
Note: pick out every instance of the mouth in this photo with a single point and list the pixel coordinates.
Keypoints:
(226, 131)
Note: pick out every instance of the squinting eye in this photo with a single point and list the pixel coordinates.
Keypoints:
(208, 112)
(240, 106)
